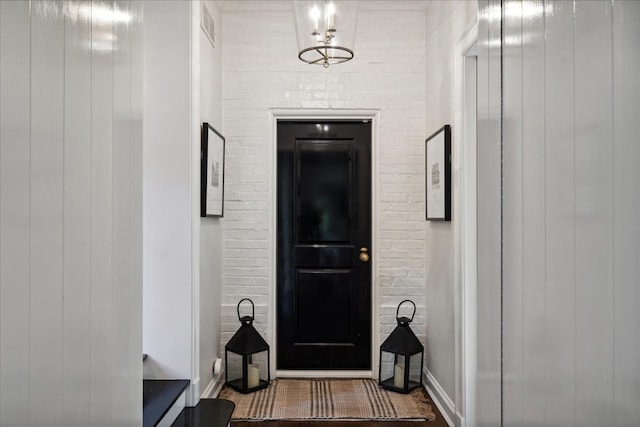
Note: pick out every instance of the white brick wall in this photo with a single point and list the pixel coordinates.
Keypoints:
(261, 71)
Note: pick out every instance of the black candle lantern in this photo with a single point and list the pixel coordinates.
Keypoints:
(247, 356)
(401, 357)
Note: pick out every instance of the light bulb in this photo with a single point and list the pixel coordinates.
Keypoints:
(331, 11)
(314, 13)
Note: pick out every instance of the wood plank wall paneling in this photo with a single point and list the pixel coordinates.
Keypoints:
(134, 290)
(482, 295)
(571, 243)
(512, 223)
(77, 219)
(46, 165)
(626, 211)
(560, 213)
(533, 218)
(15, 212)
(121, 177)
(70, 213)
(489, 217)
(101, 218)
(593, 200)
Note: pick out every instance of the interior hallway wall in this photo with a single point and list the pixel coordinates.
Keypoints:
(261, 70)
(182, 251)
(210, 228)
(570, 204)
(445, 22)
(169, 279)
(70, 213)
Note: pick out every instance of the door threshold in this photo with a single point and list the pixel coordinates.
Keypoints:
(323, 374)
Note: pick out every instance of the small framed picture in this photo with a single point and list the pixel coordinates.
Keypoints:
(438, 175)
(211, 172)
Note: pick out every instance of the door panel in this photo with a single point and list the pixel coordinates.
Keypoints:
(318, 293)
(324, 191)
(324, 218)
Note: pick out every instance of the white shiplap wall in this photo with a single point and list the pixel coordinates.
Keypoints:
(570, 204)
(70, 213)
(488, 405)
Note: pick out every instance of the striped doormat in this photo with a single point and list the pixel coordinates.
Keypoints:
(328, 399)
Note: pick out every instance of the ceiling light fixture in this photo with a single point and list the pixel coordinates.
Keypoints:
(322, 45)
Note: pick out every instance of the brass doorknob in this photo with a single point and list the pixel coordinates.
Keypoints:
(364, 256)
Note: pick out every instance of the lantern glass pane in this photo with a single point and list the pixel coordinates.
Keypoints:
(386, 367)
(415, 365)
(234, 368)
(392, 369)
(258, 369)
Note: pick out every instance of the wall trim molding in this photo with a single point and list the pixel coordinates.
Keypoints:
(441, 399)
(465, 227)
(192, 393)
(372, 114)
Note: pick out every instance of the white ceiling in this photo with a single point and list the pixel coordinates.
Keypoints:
(280, 5)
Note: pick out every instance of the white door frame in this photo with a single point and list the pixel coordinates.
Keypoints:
(313, 114)
(465, 228)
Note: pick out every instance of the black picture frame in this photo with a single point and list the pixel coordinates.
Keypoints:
(437, 155)
(211, 172)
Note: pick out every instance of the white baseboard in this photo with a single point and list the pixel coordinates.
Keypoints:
(193, 393)
(442, 400)
(214, 387)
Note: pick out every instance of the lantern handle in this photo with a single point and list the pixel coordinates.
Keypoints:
(253, 310)
(398, 310)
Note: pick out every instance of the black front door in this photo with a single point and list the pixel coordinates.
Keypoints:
(324, 236)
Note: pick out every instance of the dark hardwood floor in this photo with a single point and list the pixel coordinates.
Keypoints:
(439, 422)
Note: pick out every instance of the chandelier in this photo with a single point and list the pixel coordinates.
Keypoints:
(319, 40)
